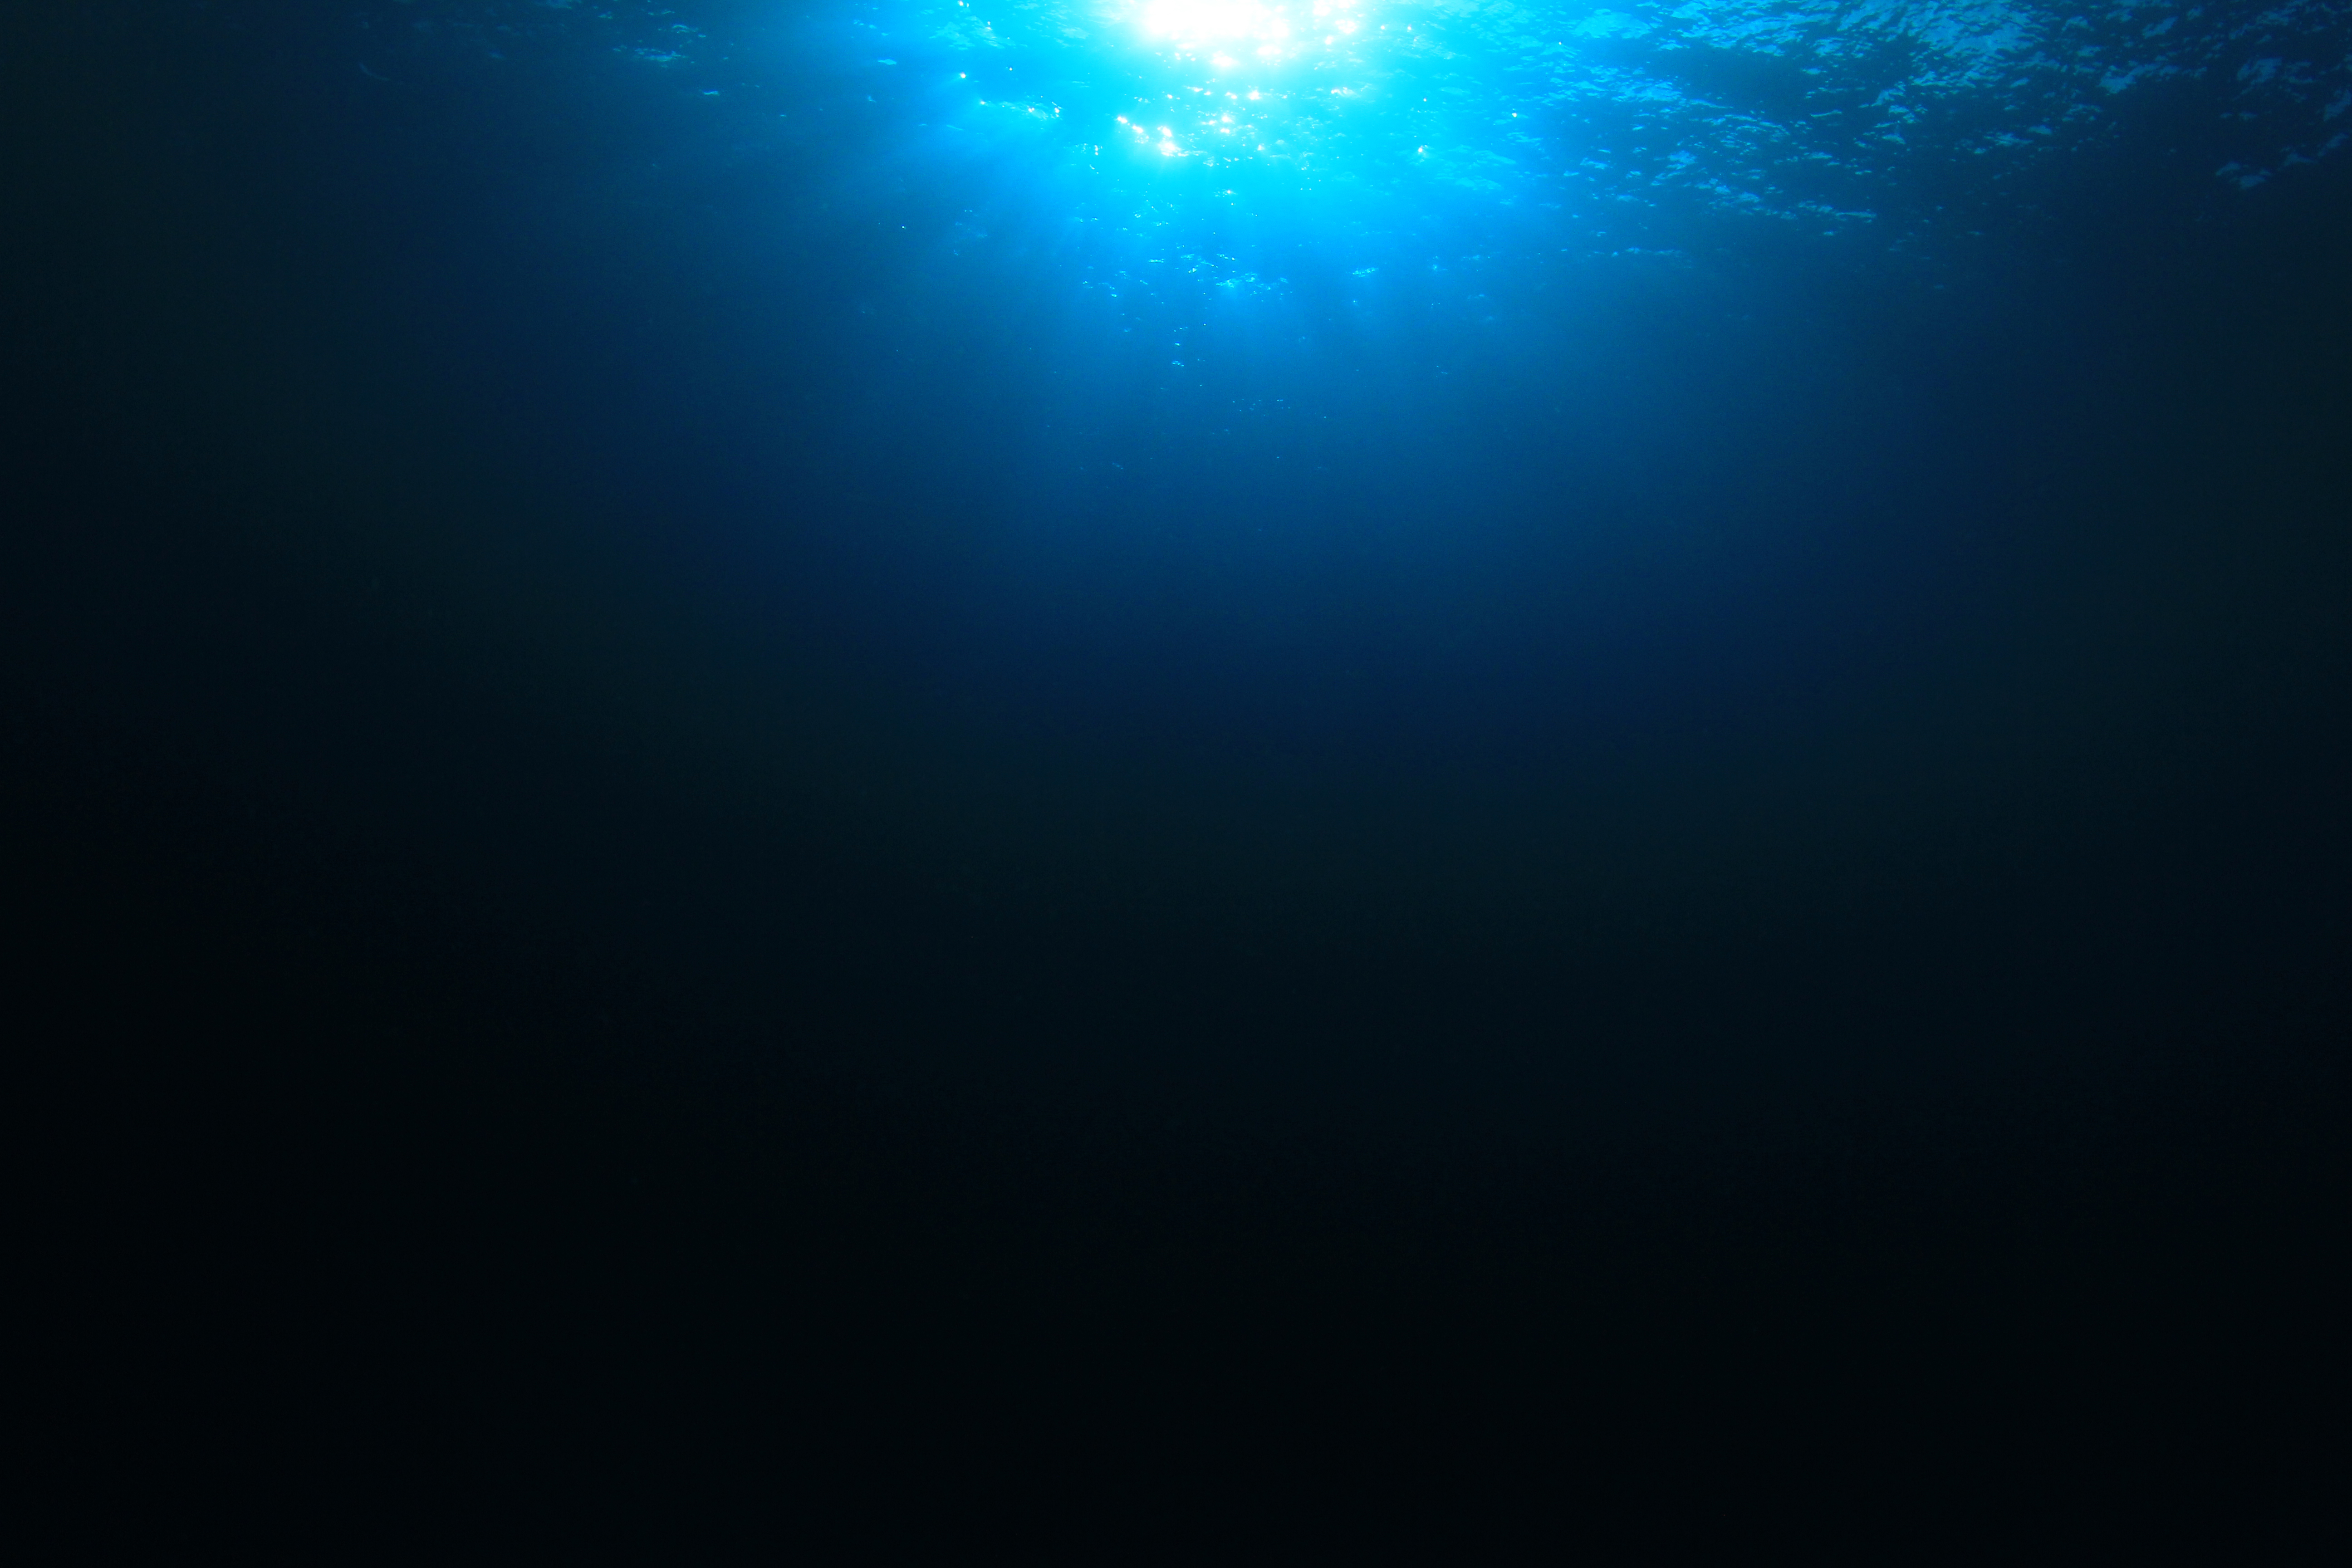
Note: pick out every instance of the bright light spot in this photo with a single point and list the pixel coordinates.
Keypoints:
(1207, 21)
(1202, 38)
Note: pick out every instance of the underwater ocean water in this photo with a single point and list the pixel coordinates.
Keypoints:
(1172, 761)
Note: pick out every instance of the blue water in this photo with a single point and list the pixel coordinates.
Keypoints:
(1185, 776)
(1573, 541)
(1469, 376)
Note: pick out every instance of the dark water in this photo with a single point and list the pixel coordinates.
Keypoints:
(1177, 783)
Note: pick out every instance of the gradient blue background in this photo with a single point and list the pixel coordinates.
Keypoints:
(719, 726)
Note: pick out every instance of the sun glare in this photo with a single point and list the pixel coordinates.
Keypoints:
(1216, 21)
(1270, 29)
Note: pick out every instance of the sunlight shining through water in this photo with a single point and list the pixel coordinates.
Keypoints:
(1637, 123)
(1236, 108)
(1258, 203)
(1630, 127)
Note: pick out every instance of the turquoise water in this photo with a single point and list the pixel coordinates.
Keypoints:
(1167, 233)
(1615, 127)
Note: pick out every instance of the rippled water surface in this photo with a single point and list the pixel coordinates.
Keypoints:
(1624, 124)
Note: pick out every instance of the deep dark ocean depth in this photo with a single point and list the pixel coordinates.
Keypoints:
(1178, 780)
